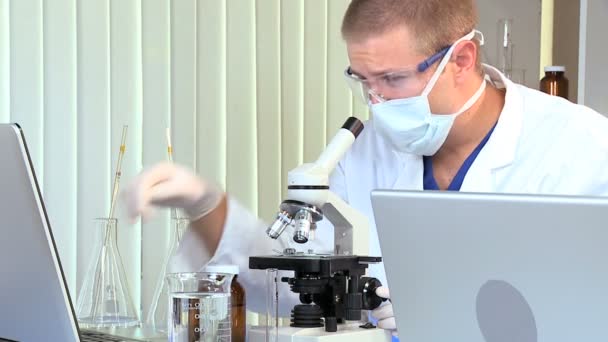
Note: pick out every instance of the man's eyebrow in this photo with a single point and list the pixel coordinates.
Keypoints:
(373, 73)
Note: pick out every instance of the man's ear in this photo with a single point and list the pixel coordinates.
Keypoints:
(465, 59)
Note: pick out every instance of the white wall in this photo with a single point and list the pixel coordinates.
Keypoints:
(593, 52)
(526, 34)
(250, 89)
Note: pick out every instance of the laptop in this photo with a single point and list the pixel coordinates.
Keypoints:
(492, 267)
(35, 304)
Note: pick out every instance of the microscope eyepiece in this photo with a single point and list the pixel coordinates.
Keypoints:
(354, 125)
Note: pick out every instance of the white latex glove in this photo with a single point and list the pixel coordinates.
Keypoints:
(384, 313)
(174, 186)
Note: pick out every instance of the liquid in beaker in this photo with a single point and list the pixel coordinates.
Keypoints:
(157, 314)
(199, 305)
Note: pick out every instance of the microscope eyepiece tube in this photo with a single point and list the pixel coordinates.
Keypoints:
(277, 228)
(354, 125)
(340, 143)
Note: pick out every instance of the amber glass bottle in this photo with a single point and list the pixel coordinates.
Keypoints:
(555, 82)
(238, 311)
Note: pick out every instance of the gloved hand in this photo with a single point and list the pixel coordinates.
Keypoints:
(170, 185)
(384, 314)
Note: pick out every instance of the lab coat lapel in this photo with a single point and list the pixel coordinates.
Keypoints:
(394, 170)
(410, 174)
(500, 149)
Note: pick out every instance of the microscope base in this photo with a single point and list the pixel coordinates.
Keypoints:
(346, 332)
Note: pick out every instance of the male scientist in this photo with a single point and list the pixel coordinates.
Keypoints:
(440, 121)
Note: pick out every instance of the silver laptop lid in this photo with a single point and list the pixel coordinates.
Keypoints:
(34, 303)
(483, 267)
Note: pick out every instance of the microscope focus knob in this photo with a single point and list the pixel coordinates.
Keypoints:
(352, 305)
(367, 287)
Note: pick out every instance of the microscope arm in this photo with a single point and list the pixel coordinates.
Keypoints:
(351, 228)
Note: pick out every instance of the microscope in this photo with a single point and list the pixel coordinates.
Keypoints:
(332, 288)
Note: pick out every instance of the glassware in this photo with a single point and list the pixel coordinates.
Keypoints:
(157, 314)
(239, 314)
(555, 82)
(272, 305)
(237, 301)
(505, 46)
(105, 299)
(199, 307)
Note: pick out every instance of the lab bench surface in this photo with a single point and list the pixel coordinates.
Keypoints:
(141, 334)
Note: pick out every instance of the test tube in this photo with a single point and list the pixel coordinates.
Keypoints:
(272, 305)
(505, 45)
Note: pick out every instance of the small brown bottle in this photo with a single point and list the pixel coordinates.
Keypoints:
(555, 82)
(238, 310)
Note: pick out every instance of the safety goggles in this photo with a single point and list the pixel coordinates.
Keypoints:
(394, 84)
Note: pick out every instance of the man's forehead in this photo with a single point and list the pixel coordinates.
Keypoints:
(379, 54)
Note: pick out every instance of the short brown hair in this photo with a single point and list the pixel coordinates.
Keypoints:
(436, 24)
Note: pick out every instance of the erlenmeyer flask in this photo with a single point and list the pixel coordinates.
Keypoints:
(157, 314)
(105, 299)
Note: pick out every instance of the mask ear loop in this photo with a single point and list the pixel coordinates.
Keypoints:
(481, 38)
(445, 61)
(473, 99)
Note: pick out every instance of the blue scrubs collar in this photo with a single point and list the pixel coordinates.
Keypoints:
(429, 182)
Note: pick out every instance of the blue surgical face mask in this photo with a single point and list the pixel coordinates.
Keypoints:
(408, 124)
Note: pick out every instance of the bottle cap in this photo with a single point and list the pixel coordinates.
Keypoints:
(555, 68)
(228, 269)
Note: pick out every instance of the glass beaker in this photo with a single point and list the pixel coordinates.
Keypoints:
(238, 315)
(105, 299)
(199, 307)
(157, 314)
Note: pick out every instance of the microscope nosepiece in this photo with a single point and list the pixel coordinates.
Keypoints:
(276, 229)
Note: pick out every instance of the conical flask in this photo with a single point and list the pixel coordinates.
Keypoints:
(105, 299)
(157, 314)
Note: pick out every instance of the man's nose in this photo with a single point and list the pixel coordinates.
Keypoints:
(374, 97)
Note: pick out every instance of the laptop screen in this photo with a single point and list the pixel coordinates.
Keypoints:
(495, 267)
(34, 301)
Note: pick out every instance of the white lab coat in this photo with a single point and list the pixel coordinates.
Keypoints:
(541, 145)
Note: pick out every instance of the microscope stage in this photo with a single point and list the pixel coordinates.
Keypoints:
(307, 263)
